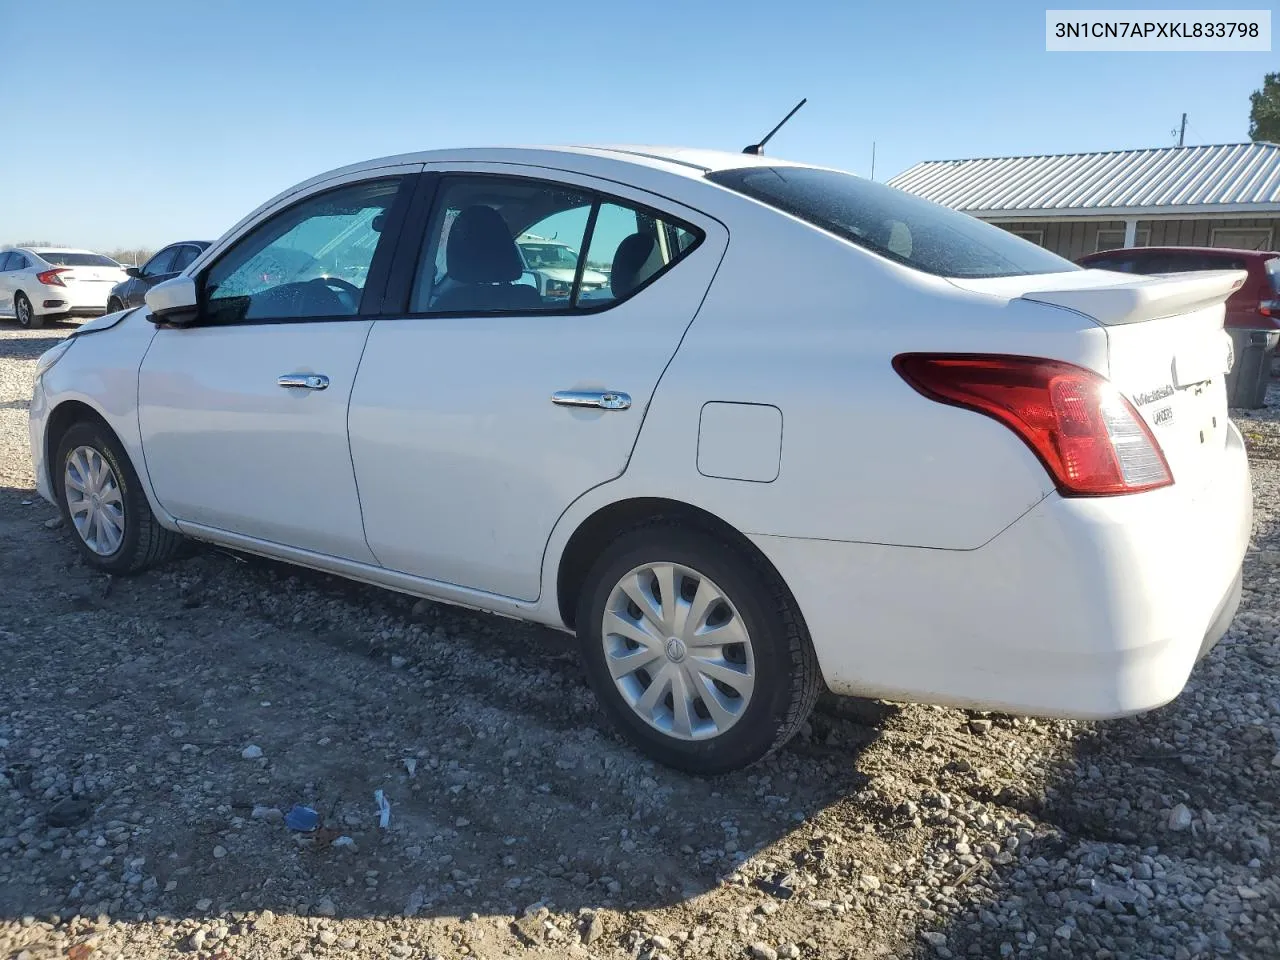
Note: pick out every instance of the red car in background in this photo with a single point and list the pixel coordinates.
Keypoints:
(1255, 306)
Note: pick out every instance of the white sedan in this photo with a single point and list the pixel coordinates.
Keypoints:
(49, 283)
(815, 430)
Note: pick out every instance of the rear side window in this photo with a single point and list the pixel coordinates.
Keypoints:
(896, 225)
(510, 245)
(61, 258)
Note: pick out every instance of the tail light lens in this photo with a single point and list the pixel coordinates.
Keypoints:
(50, 278)
(1089, 437)
(1269, 308)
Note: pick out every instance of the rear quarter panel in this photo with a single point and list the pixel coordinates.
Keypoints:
(803, 321)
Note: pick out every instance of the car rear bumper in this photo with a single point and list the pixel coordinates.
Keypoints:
(75, 300)
(1084, 607)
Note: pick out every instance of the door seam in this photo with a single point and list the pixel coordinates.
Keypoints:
(355, 474)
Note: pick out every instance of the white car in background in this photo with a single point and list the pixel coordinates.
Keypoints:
(49, 283)
(554, 266)
(815, 430)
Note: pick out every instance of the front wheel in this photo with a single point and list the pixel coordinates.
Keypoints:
(114, 305)
(26, 314)
(103, 503)
(695, 649)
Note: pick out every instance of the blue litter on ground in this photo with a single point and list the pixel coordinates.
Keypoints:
(303, 819)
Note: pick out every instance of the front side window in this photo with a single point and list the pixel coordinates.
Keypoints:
(308, 261)
(183, 258)
(896, 225)
(160, 264)
(509, 245)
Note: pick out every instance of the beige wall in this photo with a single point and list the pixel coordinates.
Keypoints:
(1072, 240)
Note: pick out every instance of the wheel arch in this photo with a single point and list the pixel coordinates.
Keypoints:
(61, 418)
(611, 520)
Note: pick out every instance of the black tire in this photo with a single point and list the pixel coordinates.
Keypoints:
(787, 678)
(114, 305)
(28, 319)
(145, 542)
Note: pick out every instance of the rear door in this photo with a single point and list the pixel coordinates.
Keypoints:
(490, 404)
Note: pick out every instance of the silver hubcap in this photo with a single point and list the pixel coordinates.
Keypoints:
(94, 500)
(678, 651)
(24, 312)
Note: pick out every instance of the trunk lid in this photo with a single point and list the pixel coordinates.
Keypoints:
(1167, 350)
(93, 274)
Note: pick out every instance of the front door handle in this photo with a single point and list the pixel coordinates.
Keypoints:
(304, 381)
(600, 399)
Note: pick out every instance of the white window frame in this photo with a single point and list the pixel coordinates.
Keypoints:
(1141, 238)
(1035, 236)
(1264, 233)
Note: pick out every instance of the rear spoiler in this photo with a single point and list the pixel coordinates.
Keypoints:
(1147, 297)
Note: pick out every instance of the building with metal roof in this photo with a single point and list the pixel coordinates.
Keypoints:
(1226, 195)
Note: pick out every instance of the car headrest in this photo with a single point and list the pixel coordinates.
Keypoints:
(480, 248)
(629, 263)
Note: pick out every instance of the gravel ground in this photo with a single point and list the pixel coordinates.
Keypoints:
(154, 730)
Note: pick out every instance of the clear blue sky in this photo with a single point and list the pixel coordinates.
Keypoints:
(138, 123)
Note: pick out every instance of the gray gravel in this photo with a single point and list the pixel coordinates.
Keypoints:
(155, 731)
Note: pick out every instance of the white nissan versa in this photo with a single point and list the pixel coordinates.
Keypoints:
(814, 429)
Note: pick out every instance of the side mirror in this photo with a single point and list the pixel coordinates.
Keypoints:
(174, 302)
(133, 272)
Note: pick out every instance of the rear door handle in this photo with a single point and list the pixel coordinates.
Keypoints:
(303, 381)
(601, 400)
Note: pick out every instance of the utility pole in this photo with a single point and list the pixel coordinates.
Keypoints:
(1182, 132)
(873, 159)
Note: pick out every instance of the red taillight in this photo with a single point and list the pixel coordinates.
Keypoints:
(50, 278)
(1269, 308)
(1089, 437)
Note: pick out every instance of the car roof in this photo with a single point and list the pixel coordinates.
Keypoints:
(39, 250)
(691, 162)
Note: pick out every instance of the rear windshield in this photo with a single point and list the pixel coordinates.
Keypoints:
(897, 225)
(1273, 274)
(60, 258)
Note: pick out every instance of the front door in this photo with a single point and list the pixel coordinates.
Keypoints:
(541, 317)
(244, 414)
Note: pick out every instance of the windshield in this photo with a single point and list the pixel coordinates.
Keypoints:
(538, 255)
(894, 224)
(61, 258)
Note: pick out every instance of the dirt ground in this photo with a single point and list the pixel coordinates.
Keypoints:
(154, 730)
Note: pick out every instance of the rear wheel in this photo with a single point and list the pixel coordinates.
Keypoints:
(103, 503)
(695, 650)
(26, 315)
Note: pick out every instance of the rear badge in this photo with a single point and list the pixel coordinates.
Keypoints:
(1151, 396)
(1162, 416)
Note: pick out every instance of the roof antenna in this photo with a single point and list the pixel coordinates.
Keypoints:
(758, 148)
